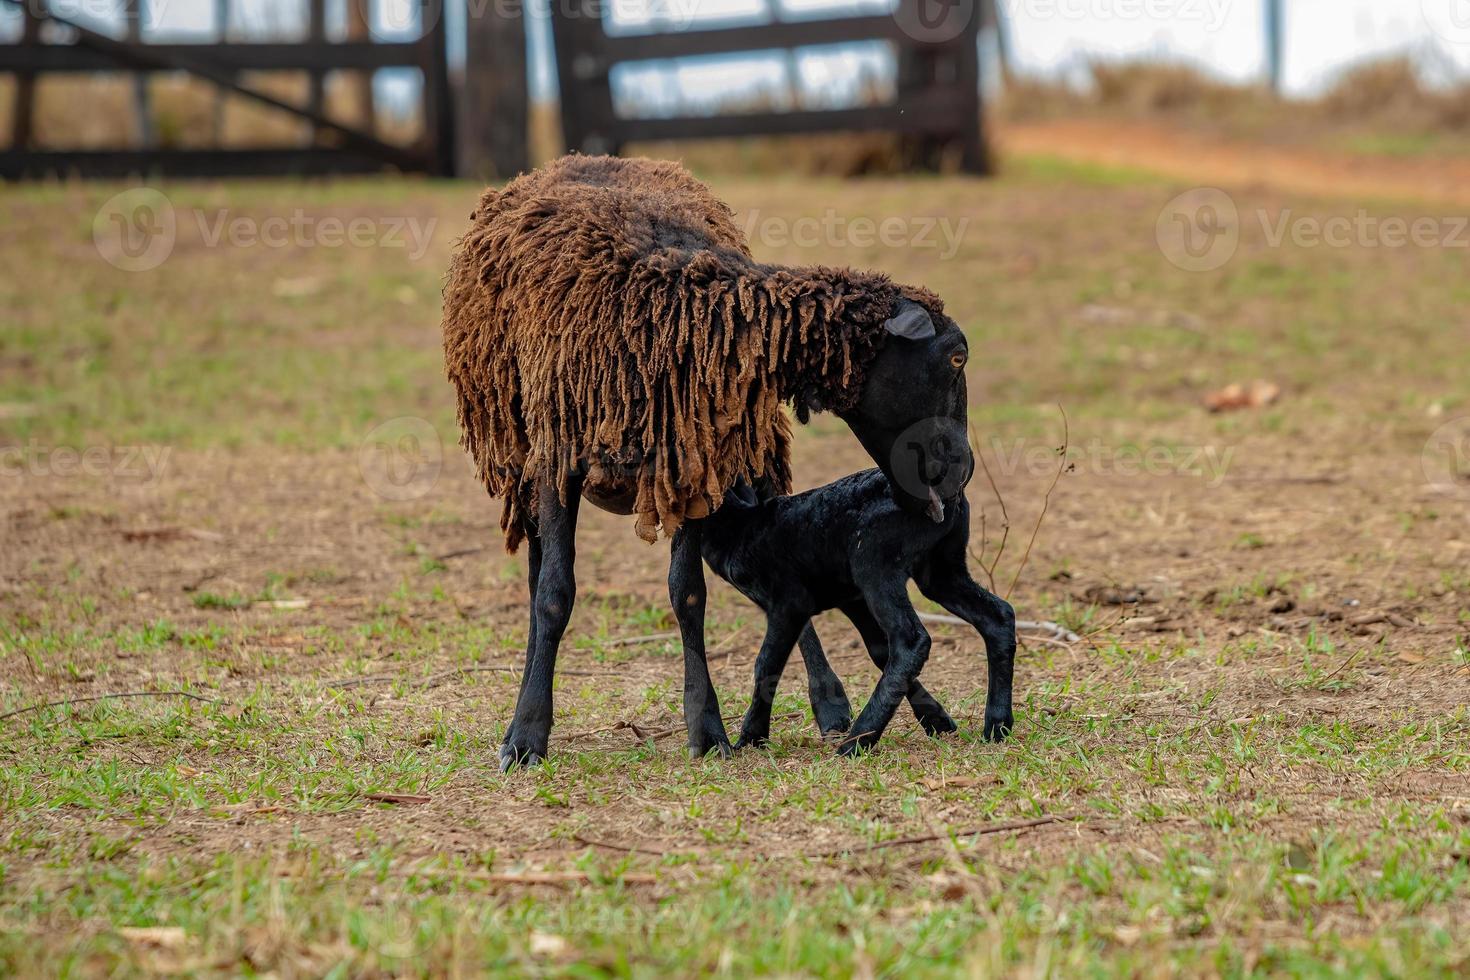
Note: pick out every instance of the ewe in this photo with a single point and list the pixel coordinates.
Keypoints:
(611, 337)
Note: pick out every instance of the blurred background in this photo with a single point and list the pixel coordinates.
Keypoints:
(486, 87)
(1227, 237)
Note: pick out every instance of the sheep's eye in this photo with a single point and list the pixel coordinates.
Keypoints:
(958, 359)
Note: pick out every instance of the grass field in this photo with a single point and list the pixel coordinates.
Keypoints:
(1257, 761)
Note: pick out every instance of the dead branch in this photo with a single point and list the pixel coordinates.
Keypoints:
(106, 697)
(1046, 499)
(1004, 516)
(626, 848)
(459, 553)
(994, 828)
(1054, 631)
(629, 641)
(434, 680)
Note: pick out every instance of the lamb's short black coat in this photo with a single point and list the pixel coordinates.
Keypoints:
(849, 546)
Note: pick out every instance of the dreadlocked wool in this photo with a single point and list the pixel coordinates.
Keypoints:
(605, 317)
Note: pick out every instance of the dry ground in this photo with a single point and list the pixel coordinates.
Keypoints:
(1258, 760)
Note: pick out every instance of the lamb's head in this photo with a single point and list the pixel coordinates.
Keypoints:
(910, 415)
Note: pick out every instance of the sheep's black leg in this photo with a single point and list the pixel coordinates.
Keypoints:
(533, 571)
(555, 593)
(686, 593)
(995, 621)
(781, 633)
(830, 707)
(930, 713)
(908, 648)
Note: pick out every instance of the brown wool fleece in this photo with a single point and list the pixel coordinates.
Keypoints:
(605, 315)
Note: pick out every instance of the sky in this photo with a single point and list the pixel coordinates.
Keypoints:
(1048, 37)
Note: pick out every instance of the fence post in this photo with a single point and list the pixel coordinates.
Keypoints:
(1274, 43)
(951, 61)
(316, 30)
(584, 89)
(493, 125)
(359, 16)
(142, 104)
(222, 28)
(22, 118)
(438, 104)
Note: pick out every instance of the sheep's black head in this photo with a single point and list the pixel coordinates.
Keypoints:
(910, 415)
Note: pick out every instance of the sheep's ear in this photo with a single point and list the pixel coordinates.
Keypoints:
(912, 322)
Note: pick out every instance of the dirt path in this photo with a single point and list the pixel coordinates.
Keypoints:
(1204, 159)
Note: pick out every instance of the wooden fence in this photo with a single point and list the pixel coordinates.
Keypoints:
(336, 146)
(937, 104)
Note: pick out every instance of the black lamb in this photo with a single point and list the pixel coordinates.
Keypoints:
(849, 546)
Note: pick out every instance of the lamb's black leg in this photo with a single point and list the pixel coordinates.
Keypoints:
(830, 707)
(908, 648)
(781, 633)
(555, 593)
(686, 593)
(995, 621)
(930, 713)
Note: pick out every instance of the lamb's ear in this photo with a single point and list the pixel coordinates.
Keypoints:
(912, 322)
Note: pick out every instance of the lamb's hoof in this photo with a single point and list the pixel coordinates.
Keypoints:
(998, 727)
(832, 714)
(834, 721)
(851, 748)
(938, 724)
(513, 756)
(752, 740)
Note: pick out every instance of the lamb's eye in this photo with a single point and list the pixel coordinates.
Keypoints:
(958, 359)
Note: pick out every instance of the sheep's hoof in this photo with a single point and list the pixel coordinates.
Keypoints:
(721, 748)
(512, 757)
(998, 727)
